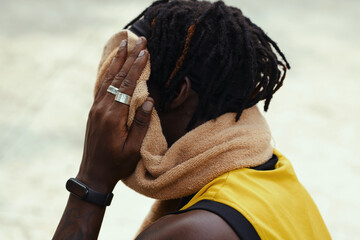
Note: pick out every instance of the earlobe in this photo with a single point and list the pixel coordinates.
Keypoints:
(183, 93)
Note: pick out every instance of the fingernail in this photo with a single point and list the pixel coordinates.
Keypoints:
(142, 53)
(123, 43)
(139, 41)
(147, 106)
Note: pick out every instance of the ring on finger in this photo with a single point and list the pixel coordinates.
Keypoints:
(113, 90)
(123, 98)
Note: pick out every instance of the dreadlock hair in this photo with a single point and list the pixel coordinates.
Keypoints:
(231, 62)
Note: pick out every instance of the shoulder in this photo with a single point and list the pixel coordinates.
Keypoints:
(194, 224)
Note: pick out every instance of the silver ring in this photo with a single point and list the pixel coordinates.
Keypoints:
(123, 98)
(113, 90)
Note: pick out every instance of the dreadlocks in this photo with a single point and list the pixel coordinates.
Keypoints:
(230, 61)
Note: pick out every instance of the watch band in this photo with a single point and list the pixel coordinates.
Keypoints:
(80, 190)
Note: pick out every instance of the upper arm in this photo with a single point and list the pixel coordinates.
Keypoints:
(194, 224)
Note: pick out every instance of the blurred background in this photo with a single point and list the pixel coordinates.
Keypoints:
(49, 51)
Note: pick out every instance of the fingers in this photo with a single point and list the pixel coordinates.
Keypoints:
(115, 66)
(129, 83)
(123, 72)
(140, 125)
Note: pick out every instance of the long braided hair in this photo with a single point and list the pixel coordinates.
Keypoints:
(231, 62)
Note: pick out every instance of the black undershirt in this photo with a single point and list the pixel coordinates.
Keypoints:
(241, 226)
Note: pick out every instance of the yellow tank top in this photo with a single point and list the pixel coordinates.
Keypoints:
(273, 201)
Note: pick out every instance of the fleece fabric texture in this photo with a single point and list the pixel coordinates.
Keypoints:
(208, 151)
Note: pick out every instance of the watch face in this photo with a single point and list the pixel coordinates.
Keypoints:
(77, 188)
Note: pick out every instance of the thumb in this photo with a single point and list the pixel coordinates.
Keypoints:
(140, 125)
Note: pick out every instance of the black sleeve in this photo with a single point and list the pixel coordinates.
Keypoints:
(242, 227)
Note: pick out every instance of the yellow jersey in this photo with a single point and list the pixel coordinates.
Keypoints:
(274, 202)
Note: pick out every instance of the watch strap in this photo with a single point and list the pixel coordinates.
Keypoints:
(82, 191)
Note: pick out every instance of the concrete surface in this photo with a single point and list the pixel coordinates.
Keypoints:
(49, 51)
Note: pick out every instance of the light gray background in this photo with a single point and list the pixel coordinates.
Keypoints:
(49, 51)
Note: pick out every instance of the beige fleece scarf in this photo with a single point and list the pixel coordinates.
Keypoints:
(208, 151)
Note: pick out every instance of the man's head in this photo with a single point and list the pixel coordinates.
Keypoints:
(207, 59)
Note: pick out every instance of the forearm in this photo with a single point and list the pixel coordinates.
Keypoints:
(81, 220)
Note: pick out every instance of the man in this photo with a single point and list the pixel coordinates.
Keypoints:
(207, 61)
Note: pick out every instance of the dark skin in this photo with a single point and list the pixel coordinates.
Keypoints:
(111, 152)
(182, 108)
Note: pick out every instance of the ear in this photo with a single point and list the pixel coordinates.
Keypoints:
(183, 93)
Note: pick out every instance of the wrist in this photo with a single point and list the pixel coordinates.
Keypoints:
(87, 193)
(96, 184)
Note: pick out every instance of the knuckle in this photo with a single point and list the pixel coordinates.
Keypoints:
(127, 83)
(138, 65)
(141, 121)
(108, 77)
(96, 113)
(91, 113)
(134, 54)
(110, 120)
(118, 54)
(121, 74)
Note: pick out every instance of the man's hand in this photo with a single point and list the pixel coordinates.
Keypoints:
(111, 150)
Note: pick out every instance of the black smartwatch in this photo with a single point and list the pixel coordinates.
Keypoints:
(87, 194)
